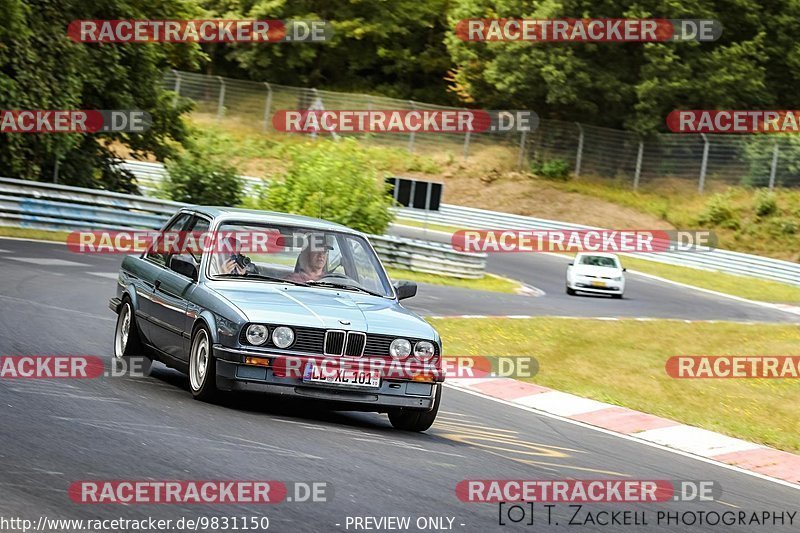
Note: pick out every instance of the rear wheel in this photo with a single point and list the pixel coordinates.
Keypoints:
(202, 366)
(411, 420)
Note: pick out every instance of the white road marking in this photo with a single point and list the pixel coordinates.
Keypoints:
(45, 261)
(697, 441)
(109, 275)
(561, 403)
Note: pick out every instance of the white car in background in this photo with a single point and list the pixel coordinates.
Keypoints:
(599, 273)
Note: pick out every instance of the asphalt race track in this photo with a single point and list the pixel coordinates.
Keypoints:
(56, 432)
(644, 296)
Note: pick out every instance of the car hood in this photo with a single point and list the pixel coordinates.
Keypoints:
(590, 270)
(322, 308)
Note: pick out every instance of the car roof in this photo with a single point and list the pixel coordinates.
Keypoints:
(597, 254)
(272, 217)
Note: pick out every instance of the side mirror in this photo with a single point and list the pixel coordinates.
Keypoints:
(183, 265)
(624, 269)
(405, 289)
(571, 263)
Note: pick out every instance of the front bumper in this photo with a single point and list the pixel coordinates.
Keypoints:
(233, 375)
(612, 287)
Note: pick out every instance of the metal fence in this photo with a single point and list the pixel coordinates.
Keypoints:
(689, 161)
(49, 206)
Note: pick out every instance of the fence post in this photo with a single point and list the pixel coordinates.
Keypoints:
(521, 157)
(221, 100)
(177, 88)
(579, 156)
(267, 106)
(638, 166)
(466, 145)
(703, 165)
(774, 167)
(411, 134)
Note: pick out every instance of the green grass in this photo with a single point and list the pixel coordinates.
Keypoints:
(418, 224)
(731, 212)
(622, 363)
(37, 234)
(744, 287)
(489, 282)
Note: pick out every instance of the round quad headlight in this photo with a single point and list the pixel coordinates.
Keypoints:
(400, 348)
(257, 334)
(282, 337)
(424, 351)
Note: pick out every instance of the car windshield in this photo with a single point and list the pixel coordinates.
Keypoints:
(599, 261)
(296, 255)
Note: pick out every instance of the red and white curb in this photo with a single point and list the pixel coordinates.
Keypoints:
(739, 453)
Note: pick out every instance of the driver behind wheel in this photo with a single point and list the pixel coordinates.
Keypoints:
(312, 262)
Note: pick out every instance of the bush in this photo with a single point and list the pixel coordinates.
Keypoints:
(198, 179)
(765, 204)
(554, 169)
(758, 152)
(718, 212)
(333, 180)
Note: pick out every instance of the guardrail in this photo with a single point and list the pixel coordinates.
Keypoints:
(149, 176)
(50, 206)
(712, 260)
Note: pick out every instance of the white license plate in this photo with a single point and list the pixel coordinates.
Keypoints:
(333, 375)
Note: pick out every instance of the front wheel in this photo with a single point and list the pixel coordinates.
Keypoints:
(411, 420)
(570, 291)
(126, 332)
(202, 366)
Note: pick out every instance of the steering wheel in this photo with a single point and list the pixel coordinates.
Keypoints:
(334, 275)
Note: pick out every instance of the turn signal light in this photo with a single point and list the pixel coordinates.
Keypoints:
(257, 361)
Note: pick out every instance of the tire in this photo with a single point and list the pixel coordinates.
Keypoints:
(617, 296)
(202, 366)
(126, 333)
(571, 292)
(411, 420)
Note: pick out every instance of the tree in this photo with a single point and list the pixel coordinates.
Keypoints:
(388, 47)
(41, 68)
(631, 85)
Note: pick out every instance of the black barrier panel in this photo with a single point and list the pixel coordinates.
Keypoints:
(415, 193)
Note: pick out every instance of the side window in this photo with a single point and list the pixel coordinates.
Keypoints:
(366, 271)
(160, 257)
(198, 227)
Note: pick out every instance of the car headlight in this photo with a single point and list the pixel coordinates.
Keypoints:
(424, 351)
(618, 278)
(282, 337)
(257, 334)
(400, 348)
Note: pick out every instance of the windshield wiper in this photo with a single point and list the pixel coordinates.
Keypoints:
(343, 286)
(262, 276)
